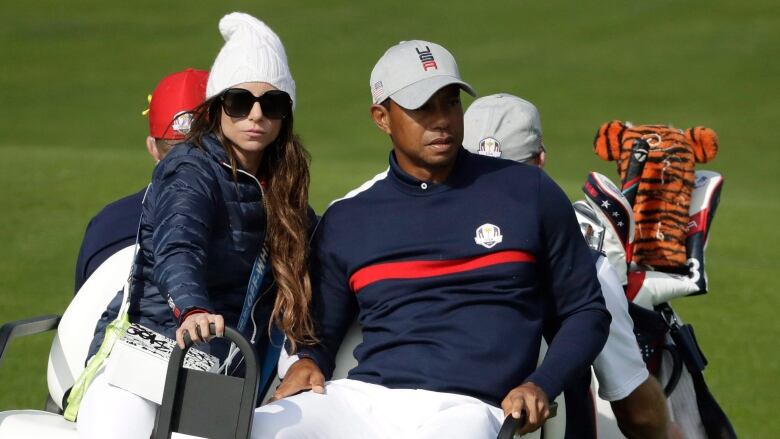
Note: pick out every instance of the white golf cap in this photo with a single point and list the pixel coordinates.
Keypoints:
(503, 125)
(410, 73)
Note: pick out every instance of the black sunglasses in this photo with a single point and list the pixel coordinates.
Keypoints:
(238, 102)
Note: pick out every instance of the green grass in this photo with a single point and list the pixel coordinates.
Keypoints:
(76, 74)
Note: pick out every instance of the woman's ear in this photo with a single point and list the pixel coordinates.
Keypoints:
(381, 117)
(704, 142)
(608, 139)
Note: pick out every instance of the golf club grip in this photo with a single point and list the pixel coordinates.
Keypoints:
(188, 340)
(636, 164)
(512, 425)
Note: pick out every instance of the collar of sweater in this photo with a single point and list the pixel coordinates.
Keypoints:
(414, 186)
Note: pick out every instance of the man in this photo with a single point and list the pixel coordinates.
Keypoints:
(506, 126)
(447, 267)
(115, 226)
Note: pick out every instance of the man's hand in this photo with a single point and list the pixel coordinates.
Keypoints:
(304, 374)
(532, 400)
(197, 325)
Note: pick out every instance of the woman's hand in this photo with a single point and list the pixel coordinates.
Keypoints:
(303, 375)
(197, 325)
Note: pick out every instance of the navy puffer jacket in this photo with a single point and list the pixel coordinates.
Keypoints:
(200, 233)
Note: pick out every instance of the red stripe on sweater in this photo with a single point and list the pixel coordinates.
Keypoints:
(422, 269)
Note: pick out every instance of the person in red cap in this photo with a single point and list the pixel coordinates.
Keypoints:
(224, 230)
(169, 113)
(170, 109)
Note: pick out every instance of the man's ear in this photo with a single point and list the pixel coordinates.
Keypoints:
(151, 147)
(541, 158)
(381, 117)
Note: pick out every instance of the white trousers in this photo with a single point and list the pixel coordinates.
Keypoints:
(108, 411)
(354, 409)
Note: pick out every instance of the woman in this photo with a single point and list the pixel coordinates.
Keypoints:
(238, 185)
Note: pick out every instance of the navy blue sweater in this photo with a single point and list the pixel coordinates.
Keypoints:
(111, 230)
(448, 281)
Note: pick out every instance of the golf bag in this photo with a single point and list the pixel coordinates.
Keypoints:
(668, 346)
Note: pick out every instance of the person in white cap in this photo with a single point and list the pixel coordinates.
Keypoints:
(219, 204)
(442, 262)
(506, 126)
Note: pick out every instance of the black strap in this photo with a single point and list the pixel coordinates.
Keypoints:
(676, 372)
(716, 423)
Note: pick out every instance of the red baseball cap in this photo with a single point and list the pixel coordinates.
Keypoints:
(173, 100)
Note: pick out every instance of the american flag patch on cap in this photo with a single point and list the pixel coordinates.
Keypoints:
(377, 90)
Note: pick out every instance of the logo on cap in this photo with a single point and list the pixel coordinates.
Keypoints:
(377, 90)
(489, 147)
(182, 122)
(488, 235)
(426, 58)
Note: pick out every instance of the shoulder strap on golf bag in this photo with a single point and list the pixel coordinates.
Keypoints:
(714, 419)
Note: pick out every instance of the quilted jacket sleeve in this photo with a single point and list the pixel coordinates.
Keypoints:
(184, 210)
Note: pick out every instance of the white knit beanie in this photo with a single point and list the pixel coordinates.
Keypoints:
(252, 53)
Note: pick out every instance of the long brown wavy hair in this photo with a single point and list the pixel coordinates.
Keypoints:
(284, 169)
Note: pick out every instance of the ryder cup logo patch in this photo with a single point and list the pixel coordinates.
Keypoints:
(489, 147)
(182, 122)
(488, 235)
